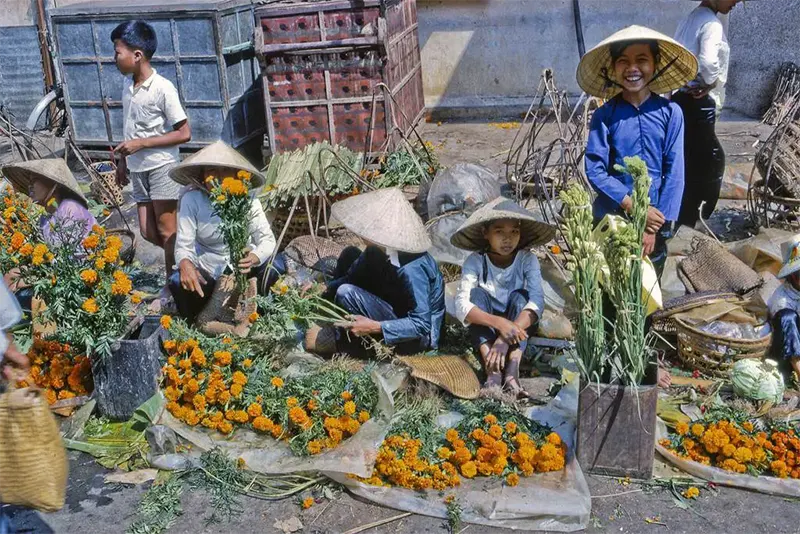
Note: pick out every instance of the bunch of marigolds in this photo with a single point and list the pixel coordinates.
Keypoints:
(60, 372)
(737, 447)
(489, 448)
(18, 228)
(231, 201)
(222, 385)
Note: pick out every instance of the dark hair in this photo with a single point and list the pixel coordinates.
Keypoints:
(137, 35)
(616, 49)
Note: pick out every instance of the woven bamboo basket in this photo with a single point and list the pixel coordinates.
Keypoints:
(107, 191)
(298, 226)
(715, 355)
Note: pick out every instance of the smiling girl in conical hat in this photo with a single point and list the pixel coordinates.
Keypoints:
(630, 69)
(784, 308)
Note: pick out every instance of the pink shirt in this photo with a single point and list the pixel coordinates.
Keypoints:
(74, 219)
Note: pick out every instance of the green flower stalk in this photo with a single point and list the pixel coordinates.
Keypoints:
(586, 266)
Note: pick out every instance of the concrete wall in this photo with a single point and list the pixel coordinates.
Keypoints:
(763, 35)
(479, 53)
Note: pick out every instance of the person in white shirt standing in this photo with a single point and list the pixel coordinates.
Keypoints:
(700, 100)
(154, 125)
(200, 250)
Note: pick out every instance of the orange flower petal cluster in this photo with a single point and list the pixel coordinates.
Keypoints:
(59, 371)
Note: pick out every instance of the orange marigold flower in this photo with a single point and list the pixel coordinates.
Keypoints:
(291, 402)
(554, 438)
(681, 428)
(90, 305)
(308, 502)
(91, 241)
(346, 395)
(698, 429)
(747, 425)
(314, 447)
(254, 410)
(349, 407)
(555, 249)
(444, 453)
(469, 469)
(312, 405)
(511, 427)
(253, 317)
(363, 417)
(223, 357)
(262, 424)
(239, 378)
(490, 419)
(247, 363)
(166, 321)
(89, 276)
(496, 431)
(236, 390)
(17, 240)
(691, 493)
(225, 427)
(451, 435)
(277, 382)
(199, 403)
(26, 249)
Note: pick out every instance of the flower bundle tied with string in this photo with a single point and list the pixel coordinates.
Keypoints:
(231, 201)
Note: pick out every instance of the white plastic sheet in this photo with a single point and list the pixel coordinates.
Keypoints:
(556, 502)
(765, 484)
(263, 454)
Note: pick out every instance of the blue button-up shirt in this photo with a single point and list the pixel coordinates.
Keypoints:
(654, 132)
(421, 294)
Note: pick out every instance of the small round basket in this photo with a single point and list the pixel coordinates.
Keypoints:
(128, 251)
(715, 355)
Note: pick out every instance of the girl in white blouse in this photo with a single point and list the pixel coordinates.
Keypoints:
(500, 297)
(201, 255)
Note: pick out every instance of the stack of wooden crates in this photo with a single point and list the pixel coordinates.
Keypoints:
(345, 71)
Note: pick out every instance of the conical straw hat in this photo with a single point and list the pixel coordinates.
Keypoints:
(676, 67)
(532, 231)
(219, 154)
(53, 169)
(450, 373)
(790, 250)
(384, 217)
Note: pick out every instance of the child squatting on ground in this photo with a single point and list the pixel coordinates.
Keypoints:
(154, 125)
(500, 297)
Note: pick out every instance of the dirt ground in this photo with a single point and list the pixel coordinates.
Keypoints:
(96, 507)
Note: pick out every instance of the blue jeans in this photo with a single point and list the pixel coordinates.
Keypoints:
(786, 338)
(190, 304)
(358, 301)
(517, 301)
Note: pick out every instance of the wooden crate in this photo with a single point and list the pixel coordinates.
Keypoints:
(323, 63)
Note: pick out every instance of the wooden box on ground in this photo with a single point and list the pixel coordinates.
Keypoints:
(617, 429)
(322, 64)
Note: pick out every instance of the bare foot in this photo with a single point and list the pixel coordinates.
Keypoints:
(513, 386)
(494, 380)
(664, 378)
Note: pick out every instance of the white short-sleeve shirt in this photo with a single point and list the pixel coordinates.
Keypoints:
(150, 110)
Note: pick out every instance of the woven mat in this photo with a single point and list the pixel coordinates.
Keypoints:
(314, 252)
(450, 373)
(712, 268)
(693, 300)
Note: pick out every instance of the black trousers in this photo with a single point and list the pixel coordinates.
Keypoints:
(704, 158)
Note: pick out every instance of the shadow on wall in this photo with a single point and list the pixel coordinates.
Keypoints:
(489, 54)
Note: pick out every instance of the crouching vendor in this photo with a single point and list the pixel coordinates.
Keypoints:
(201, 255)
(784, 310)
(393, 289)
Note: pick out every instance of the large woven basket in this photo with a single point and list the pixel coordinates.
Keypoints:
(33, 462)
(715, 355)
(298, 226)
(107, 190)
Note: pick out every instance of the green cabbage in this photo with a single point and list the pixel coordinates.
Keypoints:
(757, 380)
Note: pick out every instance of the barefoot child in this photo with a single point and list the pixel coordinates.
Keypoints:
(154, 125)
(500, 296)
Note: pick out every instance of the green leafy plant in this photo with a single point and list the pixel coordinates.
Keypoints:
(406, 167)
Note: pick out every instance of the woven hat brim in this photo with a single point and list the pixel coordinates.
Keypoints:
(450, 373)
(20, 175)
(386, 218)
(217, 154)
(682, 70)
(471, 234)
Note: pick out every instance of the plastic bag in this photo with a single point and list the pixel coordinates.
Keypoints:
(262, 454)
(556, 502)
(730, 330)
(763, 483)
(462, 187)
(762, 252)
(441, 230)
(671, 285)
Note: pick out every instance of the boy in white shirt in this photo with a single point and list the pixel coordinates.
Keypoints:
(500, 296)
(154, 125)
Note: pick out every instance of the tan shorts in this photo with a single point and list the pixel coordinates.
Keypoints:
(154, 184)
